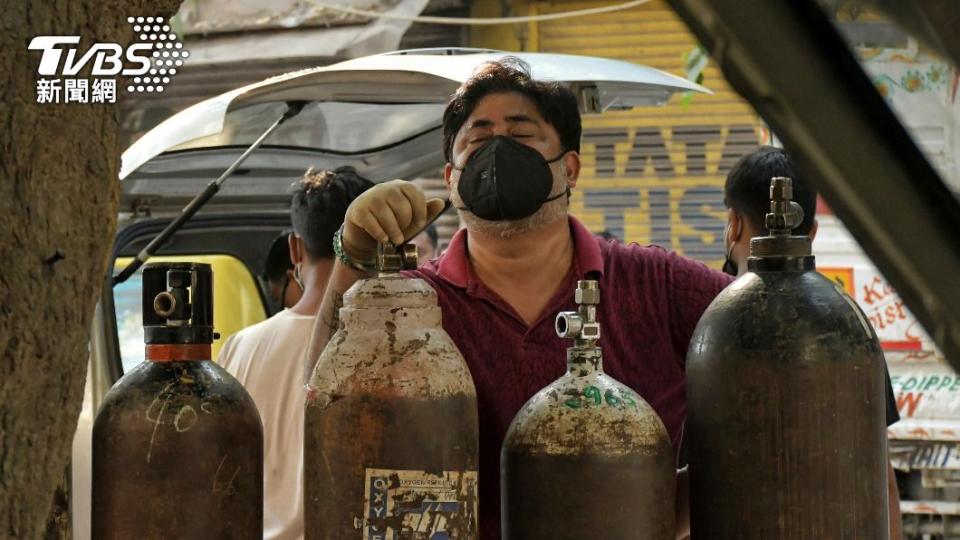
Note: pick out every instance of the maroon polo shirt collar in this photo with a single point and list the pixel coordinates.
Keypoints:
(454, 265)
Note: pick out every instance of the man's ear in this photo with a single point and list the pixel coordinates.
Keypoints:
(813, 229)
(734, 227)
(571, 164)
(295, 244)
(447, 171)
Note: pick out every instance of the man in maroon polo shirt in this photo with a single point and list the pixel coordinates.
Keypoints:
(512, 149)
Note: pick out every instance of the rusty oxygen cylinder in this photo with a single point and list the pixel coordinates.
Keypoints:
(785, 398)
(177, 443)
(587, 457)
(390, 428)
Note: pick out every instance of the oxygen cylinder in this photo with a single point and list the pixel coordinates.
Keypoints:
(587, 457)
(390, 434)
(785, 396)
(177, 443)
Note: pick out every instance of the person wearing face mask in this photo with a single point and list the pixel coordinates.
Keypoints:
(746, 194)
(279, 275)
(267, 358)
(512, 149)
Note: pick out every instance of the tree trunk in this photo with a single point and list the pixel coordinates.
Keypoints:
(58, 206)
(58, 520)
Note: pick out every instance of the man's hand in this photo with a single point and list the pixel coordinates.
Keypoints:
(389, 212)
(393, 211)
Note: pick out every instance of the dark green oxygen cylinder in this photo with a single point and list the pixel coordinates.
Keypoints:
(785, 401)
(177, 443)
(587, 457)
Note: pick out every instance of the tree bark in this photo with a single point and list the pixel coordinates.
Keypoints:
(58, 205)
(58, 520)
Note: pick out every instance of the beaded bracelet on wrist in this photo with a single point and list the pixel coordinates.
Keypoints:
(348, 261)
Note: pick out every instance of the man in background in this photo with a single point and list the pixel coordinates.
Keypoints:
(746, 195)
(267, 358)
(428, 244)
(283, 289)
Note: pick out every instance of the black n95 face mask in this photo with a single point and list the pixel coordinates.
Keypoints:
(730, 266)
(506, 180)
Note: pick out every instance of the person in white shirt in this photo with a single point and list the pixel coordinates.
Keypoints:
(267, 358)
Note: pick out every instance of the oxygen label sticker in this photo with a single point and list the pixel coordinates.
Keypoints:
(417, 505)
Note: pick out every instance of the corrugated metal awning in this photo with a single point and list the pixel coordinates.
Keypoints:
(218, 37)
(235, 32)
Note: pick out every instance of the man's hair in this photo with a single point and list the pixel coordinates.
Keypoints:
(278, 258)
(607, 235)
(555, 102)
(320, 200)
(747, 189)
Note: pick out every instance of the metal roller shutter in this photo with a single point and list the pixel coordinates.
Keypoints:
(653, 175)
